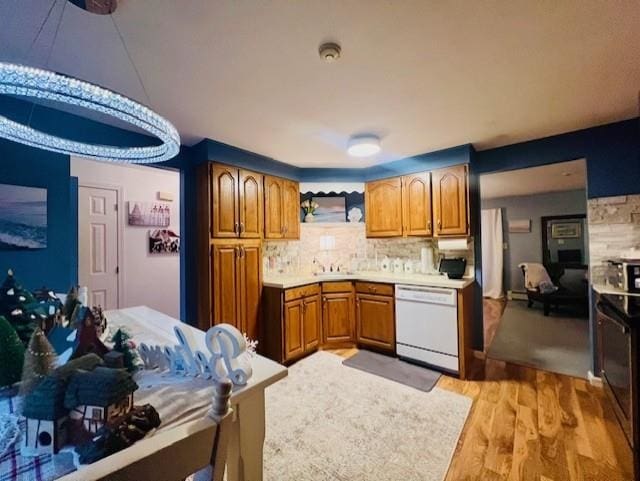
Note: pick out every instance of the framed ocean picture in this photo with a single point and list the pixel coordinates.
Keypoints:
(23, 217)
(330, 209)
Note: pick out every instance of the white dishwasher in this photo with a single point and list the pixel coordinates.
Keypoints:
(427, 325)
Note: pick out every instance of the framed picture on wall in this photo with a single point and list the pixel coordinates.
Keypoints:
(330, 209)
(163, 241)
(23, 217)
(156, 214)
(566, 230)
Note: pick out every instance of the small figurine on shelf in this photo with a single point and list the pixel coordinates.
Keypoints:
(11, 354)
(99, 319)
(96, 397)
(51, 306)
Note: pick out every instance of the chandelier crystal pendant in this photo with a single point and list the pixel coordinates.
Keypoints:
(38, 84)
(45, 85)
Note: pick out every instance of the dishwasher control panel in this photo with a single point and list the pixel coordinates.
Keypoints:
(431, 295)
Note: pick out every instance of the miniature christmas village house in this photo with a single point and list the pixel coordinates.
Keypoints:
(99, 396)
(46, 418)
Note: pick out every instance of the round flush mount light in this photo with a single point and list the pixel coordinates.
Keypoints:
(363, 145)
(329, 52)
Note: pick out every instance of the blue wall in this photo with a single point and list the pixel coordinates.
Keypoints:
(612, 152)
(55, 266)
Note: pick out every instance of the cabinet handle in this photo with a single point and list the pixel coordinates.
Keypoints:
(241, 227)
(439, 224)
(429, 225)
(236, 228)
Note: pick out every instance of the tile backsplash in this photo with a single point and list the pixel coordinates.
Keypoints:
(614, 230)
(352, 249)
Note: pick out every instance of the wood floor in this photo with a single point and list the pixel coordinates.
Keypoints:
(531, 425)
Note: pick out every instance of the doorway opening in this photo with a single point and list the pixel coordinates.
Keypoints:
(535, 257)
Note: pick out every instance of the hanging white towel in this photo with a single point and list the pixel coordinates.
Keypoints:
(492, 253)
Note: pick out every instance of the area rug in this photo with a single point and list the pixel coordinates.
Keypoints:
(394, 369)
(328, 422)
(551, 343)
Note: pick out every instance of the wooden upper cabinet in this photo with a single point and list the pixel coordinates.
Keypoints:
(416, 204)
(450, 201)
(282, 208)
(224, 201)
(274, 217)
(250, 204)
(291, 209)
(383, 207)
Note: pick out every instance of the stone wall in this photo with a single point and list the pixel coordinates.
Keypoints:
(352, 249)
(614, 230)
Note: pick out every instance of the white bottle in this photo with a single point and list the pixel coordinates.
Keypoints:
(398, 266)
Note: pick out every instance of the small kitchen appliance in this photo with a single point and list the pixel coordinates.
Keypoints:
(624, 274)
(454, 267)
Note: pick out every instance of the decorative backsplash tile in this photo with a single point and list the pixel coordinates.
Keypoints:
(614, 230)
(352, 249)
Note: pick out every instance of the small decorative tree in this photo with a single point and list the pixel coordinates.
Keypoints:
(122, 343)
(39, 361)
(17, 305)
(11, 354)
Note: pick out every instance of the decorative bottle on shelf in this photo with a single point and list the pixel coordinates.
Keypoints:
(309, 217)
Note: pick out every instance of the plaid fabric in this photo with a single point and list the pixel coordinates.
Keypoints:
(14, 467)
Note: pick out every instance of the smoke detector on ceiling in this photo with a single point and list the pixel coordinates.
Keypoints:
(329, 52)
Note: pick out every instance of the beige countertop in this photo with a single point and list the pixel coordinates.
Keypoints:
(604, 289)
(285, 281)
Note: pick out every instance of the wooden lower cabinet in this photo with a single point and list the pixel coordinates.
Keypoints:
(301, 320)
(338, 319)
(236, 285)
(375, 321)
(311, 319)
(293, 330)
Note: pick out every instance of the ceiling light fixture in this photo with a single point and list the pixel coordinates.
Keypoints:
(329, 52)
(363, 145)
(39, 84)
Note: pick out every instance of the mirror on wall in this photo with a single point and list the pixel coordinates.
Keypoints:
(564, 241)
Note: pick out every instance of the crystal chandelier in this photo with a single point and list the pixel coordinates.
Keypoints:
(39, 84)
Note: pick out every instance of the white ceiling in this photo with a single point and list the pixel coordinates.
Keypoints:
(558, 177)
(425, 75)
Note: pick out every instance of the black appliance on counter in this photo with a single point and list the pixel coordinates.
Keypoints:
(618, 327)
(624, 274)
(454, 268)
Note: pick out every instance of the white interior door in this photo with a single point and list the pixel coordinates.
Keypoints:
(98, 245)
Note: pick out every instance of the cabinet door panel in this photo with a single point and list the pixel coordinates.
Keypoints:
(250, 288)
(375, 321)
(383, 207)
(293, 330)
(225, 291)
(416, 204)
(224, 200)
(311, 314)
(274, 216)
(251, 204)
(337, 318)
(450, 200)
(291, 209)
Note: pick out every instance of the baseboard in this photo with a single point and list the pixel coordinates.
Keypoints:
(517, 295)
(593, 379)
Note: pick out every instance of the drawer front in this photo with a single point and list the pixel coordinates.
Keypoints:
(374, 288)
(342, 286)
(303, 291)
